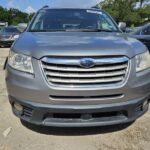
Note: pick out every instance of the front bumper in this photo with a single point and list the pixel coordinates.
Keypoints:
(80, 116)
(35, 94)
(6, 43)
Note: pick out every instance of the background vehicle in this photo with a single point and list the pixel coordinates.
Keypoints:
(3, 24)
(8, 35)
(143, 34)
(132, 30)
(22, 26)
(74, 67)
(129, 30)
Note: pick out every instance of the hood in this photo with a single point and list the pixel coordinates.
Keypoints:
(39, 45)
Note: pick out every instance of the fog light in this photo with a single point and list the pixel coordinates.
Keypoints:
(18, 107)
(145, 104)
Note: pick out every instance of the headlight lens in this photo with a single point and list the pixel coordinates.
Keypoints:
(15, 36)
(20, 62)
(142, 61)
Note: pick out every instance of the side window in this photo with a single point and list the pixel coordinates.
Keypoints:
(146, 31)
(38, 23)
(105, 23)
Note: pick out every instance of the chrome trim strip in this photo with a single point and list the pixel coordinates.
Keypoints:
(72, 69)
(82, 81)
(80, 75)
(76, 61)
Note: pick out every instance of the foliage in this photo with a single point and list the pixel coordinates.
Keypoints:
(121, 10)
(127, 11)
(14, 16)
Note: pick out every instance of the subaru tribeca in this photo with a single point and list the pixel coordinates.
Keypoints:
(74, 67)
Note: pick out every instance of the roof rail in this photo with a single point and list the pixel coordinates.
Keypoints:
(44, 7)
(96, 7)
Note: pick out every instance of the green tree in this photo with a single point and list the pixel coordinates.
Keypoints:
(13, 16)
(126, 10)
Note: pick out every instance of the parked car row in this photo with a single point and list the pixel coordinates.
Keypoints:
(3, 24)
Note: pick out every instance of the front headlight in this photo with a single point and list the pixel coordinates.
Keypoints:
(20, 62)
(15, 36)
(142, 61)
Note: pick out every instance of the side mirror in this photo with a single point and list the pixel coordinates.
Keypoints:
(122, 26)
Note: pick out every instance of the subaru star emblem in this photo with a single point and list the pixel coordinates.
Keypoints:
(87, 63)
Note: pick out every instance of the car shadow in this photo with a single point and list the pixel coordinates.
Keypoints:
(75, 131)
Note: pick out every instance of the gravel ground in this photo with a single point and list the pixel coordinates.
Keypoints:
(16, 136)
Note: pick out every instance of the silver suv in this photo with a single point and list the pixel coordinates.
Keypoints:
(74, 67)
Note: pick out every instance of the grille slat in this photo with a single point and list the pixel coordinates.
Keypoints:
(79, 69)
(68, 72)
(84, 75)
(82, 81)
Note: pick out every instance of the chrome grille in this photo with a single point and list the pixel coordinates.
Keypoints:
(67, 71)
(5, 37)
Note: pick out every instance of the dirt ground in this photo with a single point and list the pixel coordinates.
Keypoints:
(16, 136)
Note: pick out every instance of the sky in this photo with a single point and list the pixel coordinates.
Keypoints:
(30, 6)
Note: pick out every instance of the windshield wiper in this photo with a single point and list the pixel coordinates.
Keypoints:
(72, 30)
(104, 30)
(48, 30)
(98, 30)
(91, 30)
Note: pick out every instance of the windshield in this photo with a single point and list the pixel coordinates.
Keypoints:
(10, 30)
(66, 19)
